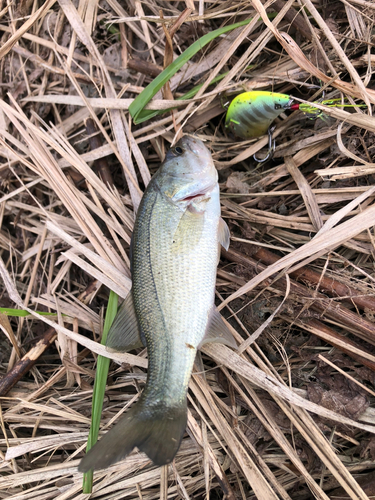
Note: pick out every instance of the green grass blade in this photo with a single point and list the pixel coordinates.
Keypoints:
(146, 114)
(20, 313)
(99, 389)
(149, 92)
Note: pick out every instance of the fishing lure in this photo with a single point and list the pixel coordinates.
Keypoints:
(250, 114)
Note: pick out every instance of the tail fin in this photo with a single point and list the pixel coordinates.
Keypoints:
(155, 429)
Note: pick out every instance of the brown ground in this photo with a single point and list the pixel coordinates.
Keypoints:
(290, 414)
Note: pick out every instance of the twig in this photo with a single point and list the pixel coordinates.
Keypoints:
(294, 18)
(168, 58)
(164, 482)
(145, 67)
(214, 464)
(317, 302)
(327, 285)
(27, 362)
(323, 331)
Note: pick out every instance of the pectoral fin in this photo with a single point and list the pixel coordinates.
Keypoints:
(217, 331)
(223, 234)
(124, 334)
(188, 232)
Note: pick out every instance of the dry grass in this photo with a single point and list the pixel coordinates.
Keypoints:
(290, 414)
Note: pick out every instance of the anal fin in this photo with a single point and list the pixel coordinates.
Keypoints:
(223, 234)
(217, 331)
(125, 334)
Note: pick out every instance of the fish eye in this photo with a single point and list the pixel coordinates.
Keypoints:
(178, 150)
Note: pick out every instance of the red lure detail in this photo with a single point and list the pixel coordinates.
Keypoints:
(294, 107)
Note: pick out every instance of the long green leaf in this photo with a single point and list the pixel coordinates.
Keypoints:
(146, 114)
(99, 389)
(149, 92)
(20, 313)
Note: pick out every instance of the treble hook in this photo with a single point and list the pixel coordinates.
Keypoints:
(271, 147)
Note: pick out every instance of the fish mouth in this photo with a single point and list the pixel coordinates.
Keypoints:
(204, 192)
(194, 196)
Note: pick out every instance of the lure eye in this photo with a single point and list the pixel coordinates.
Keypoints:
(178, 150)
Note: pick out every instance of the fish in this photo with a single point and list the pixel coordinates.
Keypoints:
(250, 114)
(170, 309)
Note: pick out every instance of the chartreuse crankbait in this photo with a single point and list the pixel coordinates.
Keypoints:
(250, 114)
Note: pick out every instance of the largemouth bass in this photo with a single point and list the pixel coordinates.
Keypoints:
(175, 251)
